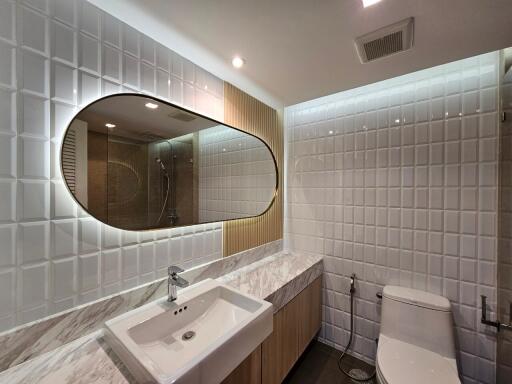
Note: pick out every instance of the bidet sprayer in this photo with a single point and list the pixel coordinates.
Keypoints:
(352, 281)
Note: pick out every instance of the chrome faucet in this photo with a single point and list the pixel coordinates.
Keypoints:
(174, 281)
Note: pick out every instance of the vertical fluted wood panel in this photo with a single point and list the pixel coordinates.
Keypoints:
(248, 114)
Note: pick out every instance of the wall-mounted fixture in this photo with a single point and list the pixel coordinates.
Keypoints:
(496, 324)
(367, 3)
(238, 62)
(163, 168)
(151, 105)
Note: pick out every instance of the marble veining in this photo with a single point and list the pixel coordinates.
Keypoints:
(232, 263)
(277, 278)
(35, 339)
(86, 360)
(32, 340)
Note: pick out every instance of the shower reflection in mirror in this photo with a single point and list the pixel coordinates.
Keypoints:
(136, 168)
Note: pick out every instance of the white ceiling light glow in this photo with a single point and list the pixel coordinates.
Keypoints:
(237, 62)
(367, 3)
(151, 105)
(110, 125)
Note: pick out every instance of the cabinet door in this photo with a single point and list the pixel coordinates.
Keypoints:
(309, 313)
(280, 350)
(248, 372)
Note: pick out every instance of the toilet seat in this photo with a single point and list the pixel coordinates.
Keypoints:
(403, 363)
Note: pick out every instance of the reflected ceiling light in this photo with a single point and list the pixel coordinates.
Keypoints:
(367, 3)
(237, 62)
(151, 105)
(110, 125)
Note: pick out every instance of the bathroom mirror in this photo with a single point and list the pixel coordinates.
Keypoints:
(137, 163)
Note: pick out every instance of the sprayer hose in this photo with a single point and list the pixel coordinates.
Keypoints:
(343, 353)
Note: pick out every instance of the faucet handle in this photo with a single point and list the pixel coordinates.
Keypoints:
(174, 269)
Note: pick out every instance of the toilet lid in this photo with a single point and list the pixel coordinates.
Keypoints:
(403, 363)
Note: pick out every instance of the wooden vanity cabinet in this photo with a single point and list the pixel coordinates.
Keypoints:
(248, 372)
(295, 325)
(309, 313)
(281, 349)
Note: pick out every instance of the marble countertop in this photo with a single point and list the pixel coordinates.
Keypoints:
(277, 278)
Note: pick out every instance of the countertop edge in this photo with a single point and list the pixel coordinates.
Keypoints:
(90, 358)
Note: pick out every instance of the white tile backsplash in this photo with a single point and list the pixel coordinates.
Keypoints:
(55, 57)
(487, 246)
(236, 174)
(397, 182)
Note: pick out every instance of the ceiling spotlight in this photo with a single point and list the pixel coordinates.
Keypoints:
(151, 105)
(238, 62)
(110, 125)
(367, 3)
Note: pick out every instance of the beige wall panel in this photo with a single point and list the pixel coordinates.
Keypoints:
(250, 115)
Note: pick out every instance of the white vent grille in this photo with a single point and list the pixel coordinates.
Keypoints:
(386, 41)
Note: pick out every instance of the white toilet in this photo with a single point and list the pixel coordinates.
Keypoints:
(416, 341)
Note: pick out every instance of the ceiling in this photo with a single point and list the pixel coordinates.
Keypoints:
(134, 120)
(298, 50)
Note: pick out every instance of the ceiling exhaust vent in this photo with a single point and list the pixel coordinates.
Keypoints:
(182, 116)
(386, 41)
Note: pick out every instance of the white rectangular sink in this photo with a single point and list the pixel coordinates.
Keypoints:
(199, 338)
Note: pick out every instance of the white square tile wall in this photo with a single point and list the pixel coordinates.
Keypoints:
(55, 57)
(504, 371)
(397, 182)
(236, 174)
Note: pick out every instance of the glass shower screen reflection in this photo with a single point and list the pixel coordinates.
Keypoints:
(136, 163)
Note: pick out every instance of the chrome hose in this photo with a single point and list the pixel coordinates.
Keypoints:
(343, 353)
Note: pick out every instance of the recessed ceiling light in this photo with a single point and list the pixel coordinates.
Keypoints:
(110, 125)
(151, 105)
(237, 62)
(367, 3)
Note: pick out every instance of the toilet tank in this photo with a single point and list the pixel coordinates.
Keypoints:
(419, 318)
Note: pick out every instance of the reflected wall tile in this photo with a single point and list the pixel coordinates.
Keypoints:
(64, 43)
(64, 237)
(34, 154)
(54, 56)
(88, 272)
(8, 241)
(111, 32)
(7, 156)
(64, 86)
(33, 200)
(111, 59)
(34, 286)
(7, 65)
(89, 56)
(33, 28)
(90, 88)
(35, 73)
(131, 42)
(64, 278)
(435, 228)
(89, 19)
(131, 71)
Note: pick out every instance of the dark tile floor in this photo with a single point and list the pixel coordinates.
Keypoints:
(318, 365)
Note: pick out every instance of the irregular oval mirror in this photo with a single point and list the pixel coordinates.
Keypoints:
(135, 162)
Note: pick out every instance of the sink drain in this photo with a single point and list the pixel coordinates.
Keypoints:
(188, 335)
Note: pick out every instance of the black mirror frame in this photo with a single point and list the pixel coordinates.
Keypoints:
(276, 188)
